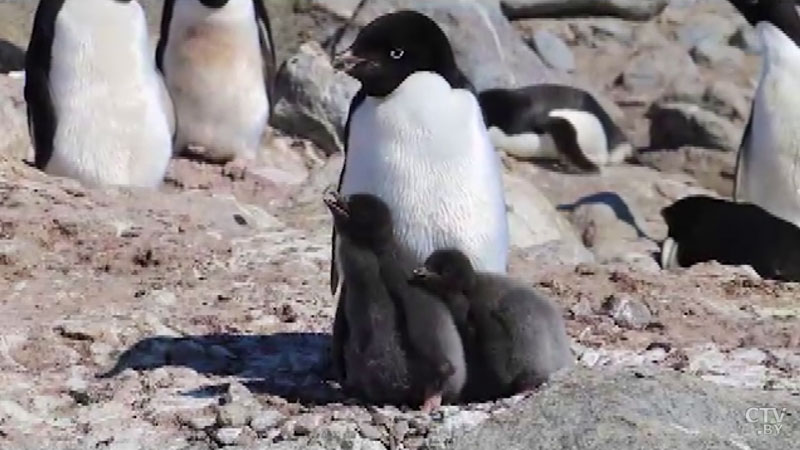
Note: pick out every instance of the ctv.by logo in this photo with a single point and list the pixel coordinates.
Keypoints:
(767, 421)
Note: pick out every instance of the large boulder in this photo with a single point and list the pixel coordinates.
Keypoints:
(486, 46)
(601, 411)
(312, 99)
(626, 9)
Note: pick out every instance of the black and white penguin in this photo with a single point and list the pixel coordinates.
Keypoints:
(218, 59)
(708, 229)
(400, 344)
(554, 121)
(768, 166)
(97, 107)
(514, 338)
(415, 138)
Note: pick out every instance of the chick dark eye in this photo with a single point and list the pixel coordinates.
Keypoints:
(396, 53)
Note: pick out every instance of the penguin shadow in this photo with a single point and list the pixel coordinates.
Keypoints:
(12, 58)
(616, 203)
(294, 366)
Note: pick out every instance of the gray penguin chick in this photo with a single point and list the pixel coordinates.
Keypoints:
(514, 338)
(403, 328)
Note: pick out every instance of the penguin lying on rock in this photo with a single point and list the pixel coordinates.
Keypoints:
(554, 121)
(708, 229)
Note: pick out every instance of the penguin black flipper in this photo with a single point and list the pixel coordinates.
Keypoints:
(748, 131)
(566, 139)
(267, 47)
(166, 19)
(358, 99)
(41, 112)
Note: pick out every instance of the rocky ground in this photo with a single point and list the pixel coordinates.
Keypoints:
(198, 316)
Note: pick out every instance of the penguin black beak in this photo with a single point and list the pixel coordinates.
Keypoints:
(336, 204)
(347, 61)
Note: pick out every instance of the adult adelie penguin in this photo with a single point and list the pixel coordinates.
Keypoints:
(218, 60)
(768, 167)
(415, 138)
(554, 121)
(97, 108)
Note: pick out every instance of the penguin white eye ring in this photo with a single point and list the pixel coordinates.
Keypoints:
(396, 53)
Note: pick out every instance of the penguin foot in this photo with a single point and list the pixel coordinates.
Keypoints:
(432, 402)
(236, 169)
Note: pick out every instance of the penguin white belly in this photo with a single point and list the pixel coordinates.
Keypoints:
(424, 150)
(112, 127)
(590, 134)
(523, 145)
(215, 74)
(769, 169)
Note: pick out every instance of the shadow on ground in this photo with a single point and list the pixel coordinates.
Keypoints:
(615, 202)
(11, 57)
(294, 366)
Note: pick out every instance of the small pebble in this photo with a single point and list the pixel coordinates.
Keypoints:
(307, 423)
(266, 420)
(370, 431)
(228, 435)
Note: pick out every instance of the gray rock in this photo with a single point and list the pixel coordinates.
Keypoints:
(722, 97)
(312, 99)
(627, 312)
(533, 220)
(228, 435)
(711, 168)
(705, 27)
(718, 55)
(613, 28)
(747, 39)
(11, 57)
(673, 125)
(727, 99)
(553, 51)
(609, 411)
(307, 423)
(14, 139)
(655, 68)
(625, 9)
(599, 226)
(265, 420)
(487, 48)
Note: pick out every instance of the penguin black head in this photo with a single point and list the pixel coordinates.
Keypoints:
(214, 4)
(394, 46)
(363, 218)
(781, 13)
(446, 270)
(683, 216)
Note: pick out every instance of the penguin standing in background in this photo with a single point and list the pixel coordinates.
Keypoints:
(768, 166)
(97, 107)
(218, 59)
(554, 121)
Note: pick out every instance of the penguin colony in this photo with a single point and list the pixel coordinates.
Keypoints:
(426, 313)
